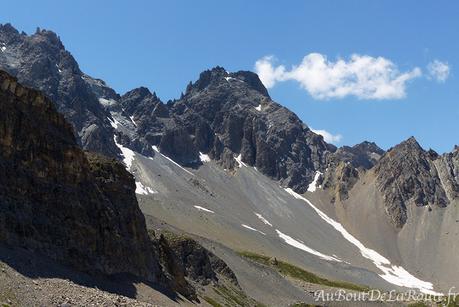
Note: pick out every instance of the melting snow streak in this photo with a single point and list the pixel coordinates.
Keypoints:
(290, 241)
(263, 219)
(204, 157)
(391, 273)
(143, 190)
(253, 229)
(203, 209)
(313, 185)
(239, 161)
(127, 154)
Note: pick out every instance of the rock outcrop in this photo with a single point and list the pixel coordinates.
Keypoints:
(226, 115)
(345, 167)
(78, 209)
(448, 170)
(222, 114)
(406, 175)
(40, 61)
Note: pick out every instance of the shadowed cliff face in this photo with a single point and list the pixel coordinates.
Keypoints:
(56, 201)
(80, 208)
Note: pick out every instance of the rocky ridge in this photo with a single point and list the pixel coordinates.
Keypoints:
(41, 61)
(229, 117)
(407, 175)
(57, 201)
(79, 208)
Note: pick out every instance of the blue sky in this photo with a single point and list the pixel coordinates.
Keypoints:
(165, 44)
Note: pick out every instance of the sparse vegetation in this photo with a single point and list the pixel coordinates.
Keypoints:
(235, 297)
(290, 270)
(211, 301)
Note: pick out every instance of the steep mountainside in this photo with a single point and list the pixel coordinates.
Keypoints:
(56, 201)
(79, 208)
(40, 61)
(222, 114)
(228, 117)
(346, 166)
(224, 163)
(407, 175)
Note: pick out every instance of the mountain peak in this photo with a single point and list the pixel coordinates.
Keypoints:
(406, 175)
(370, 147)
(8, 28)
(219, 76)
(410, 145)
(140, 92)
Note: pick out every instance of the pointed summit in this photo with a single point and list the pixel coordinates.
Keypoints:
(218, 76)
(406, 176)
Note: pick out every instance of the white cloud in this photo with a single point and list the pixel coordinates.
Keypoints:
(328, 137)
(267, 73)
(438, 70)
(362, 76)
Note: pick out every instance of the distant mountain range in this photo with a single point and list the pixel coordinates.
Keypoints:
(224, 164)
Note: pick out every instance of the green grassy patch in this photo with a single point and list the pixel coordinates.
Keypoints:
(235, 297)
(212, 302)
(290, 270)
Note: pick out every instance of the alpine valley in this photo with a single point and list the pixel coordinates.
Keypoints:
(222, 197)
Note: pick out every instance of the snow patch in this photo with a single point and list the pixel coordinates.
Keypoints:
(393, 274)
(127, 154)
(290, 241)
(114, 123)
(3, 48)
(142, 189)
(107, 102)
(263, 219)
(203, 209)
(231, 78)
(258, 108)
(239, 161)
(313, 185)
(253, 229)
(132, 120)
(204, 157)
(155, 148)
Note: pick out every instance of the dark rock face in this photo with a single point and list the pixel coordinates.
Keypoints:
(78, 209)
(226, 115)
(448, 170)
(40, 61)
(364, 155)
(345, 166)
(406, 175)
(222, 114)
(187, 265)
(197, 263)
